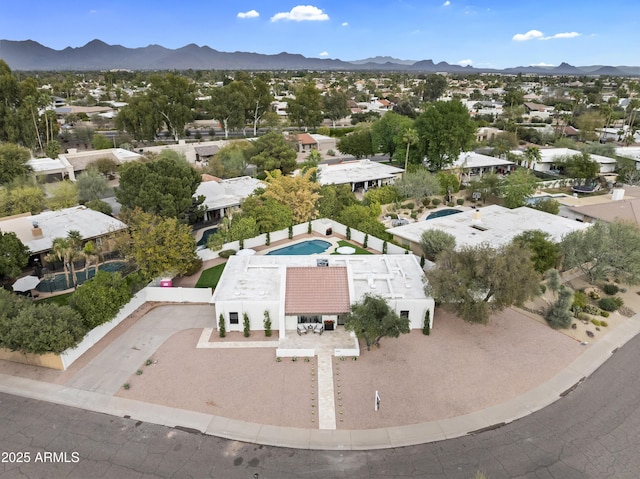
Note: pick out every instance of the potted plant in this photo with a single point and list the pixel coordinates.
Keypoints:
(328, 324)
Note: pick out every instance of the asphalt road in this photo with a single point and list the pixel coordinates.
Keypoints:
(590, 433)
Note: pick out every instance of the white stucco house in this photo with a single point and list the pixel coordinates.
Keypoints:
(360, 174)
(473, 165)
(309, 290)
(224, 195)
(551, 160)
(491, 224)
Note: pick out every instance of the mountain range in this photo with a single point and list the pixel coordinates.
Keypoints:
(28, 55)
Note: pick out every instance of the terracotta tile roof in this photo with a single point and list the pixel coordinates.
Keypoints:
(317, 290)
(306, 139)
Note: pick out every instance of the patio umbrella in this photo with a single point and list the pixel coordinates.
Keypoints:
(246, 252)
(26, 283)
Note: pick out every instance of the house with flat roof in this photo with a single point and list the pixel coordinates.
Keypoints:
(360, 174)
(37, 232)
(552, 160)
(623, 204)
(223, 195)
(81, 160)
(473, 165)
(43, 167)
(630, 152)
(309, 290)
(491, 224)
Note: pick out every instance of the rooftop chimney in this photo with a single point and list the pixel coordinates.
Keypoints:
(36, 231)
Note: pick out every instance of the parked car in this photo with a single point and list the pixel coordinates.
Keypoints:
(399, 222)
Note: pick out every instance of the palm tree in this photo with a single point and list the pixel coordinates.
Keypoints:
(531, 155)
(410, 136)
(67, 250)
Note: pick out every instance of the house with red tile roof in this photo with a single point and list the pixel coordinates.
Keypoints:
(314, 289)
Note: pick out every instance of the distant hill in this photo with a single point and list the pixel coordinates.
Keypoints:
(28, 55)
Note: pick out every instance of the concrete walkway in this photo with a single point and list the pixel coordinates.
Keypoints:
(93, 390)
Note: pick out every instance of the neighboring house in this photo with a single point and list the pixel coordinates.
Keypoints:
(43, 167)
(224, 195)
(305, 143)
(631, 152)
(491, 224)
(486, 133)
(313, 289)
(81, 160)
(360, 174)
(37, 232)
(205, 152)
(552, 160)
(614, 207)
(567, 131)
(473, 165)
(537, 109)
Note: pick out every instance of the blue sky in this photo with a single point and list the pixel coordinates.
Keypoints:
(483, 33)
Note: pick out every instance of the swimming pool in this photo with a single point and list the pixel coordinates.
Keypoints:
(58, 281)
(441, 213)
(304, 248)
(205, 236)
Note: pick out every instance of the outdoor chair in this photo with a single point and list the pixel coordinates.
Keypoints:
(318, 328)
(302, 329)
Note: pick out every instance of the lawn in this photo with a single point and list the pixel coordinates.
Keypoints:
(60, 299)
(357, 248)
(210, 277)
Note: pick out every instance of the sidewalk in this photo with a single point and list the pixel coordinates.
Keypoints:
(321, 439)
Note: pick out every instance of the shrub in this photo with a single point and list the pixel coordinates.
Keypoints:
(584, 317)
(436, 201)
(543, 289)
(267, 240)
(241, 243)
(384, 248)
(99, 299)
(194, 267)
(246, 325)
(414, 215)
(580, 300)
(226, 253)
(267, 324)
(330, 152)
(222, 329)
(450, 204)
(348, 233)
(593, 294)
(610, 289)
(604, 324)
(290, 231)
(410, 206)
(426, 328)
(365, 244)
(610, 304)
(595, 322)
(604, 314)
(309, 228)
(460, 201)
(426, 201)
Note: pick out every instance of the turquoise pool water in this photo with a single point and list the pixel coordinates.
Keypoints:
(59, 280)
(441, 213)
(304, 248)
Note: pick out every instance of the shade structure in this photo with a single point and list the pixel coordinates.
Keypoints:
(26, 283)
(246, 252)
(346, 250)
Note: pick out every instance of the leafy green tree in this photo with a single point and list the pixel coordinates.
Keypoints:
(99, 205)
(14, 255)
(333, 199)
(386, 132)
(92, 185)
(106, 166)
(27, 198)
(477, 281)
(164, 186)
(222, 329)
(173, 98)
(365, 219)
(305, 110)
(267, 324)
(100, 298)
(357, 143)
(434, 241)
(383, 196)
(548, 205)
(581, 166)
(159, 245)
(242, 228)
(553, 280)
(503, 143)
(269, 214)
(559, 315)
(231, 161)
(488, 185)
(10, 104)
(335, 105)
(229, 106)
(259, 99)
(445, 130)
(298, 192)
(545, 253)
(372, 319)
(101, 142)
(432, 88)
(246, 325)
(418, 184)
(37, 329)
(139, 118)
(63, 195)
(13, 162)
(517, 187)
(53, 149)
(272, 152)
(604, 250)
(449, 183)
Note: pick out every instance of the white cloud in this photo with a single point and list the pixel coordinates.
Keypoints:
(537, 35)
(302, 13)
(446, 4)
(542, 64)
(345, 24)
(249, 14)
(464, 63)
(563, 35)
(324, 54)
(530, 35)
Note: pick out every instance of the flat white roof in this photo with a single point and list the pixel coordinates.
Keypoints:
(48, 165)
(549, 155)
(227, 193)
(262, 277)
(632, 152)
(492, 224)
(57, 224)
(471, 159)
(355, 172)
